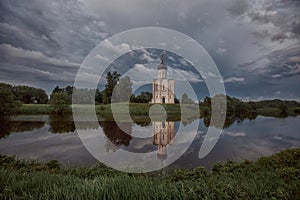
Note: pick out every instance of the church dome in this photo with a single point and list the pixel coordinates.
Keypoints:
(162, 66)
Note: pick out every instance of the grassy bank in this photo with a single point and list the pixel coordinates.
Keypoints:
(138, 109)
(134, 108)
(273, 177)
(274, 112)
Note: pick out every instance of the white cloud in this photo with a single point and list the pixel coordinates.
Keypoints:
(102, 58)
(234, 79)
(121, 48)
(234, 134)
(276, 76)
(142, 74)
(171, 58)
(184, 75)
(183, 62)
(146, 55)
(277, 138)
(221, 50)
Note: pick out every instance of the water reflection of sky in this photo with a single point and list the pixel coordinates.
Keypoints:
(244, 140)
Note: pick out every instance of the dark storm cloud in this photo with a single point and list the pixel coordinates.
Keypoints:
(56, 28)
(46, 39)
(285, 62)
(282, 63)
(278, 20)
(43, 42)
(238, 7)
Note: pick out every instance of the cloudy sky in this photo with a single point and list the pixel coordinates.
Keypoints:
(255, 44)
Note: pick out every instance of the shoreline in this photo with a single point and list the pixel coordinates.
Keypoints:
(138, 110)
(273, 176)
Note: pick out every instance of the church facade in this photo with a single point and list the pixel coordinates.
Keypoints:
(162, 87)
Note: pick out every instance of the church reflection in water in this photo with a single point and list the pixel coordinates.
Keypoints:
(163, 135)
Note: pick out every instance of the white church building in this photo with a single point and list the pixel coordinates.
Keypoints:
(162, 87)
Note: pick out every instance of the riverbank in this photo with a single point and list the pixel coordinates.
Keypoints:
(139, 109)
(269, 177)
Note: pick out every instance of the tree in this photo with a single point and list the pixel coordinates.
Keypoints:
(60, 102)
(283, 109)
(176, 100)
(57, 89)
(98, 96)
(111, 81)
(28, 94)
(123, 90)
(207, 102)
(69, 90)
(144, 97)
(186, 100)
(83, 96)
(7, 102)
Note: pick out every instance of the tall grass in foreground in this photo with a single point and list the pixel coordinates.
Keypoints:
(274, 177)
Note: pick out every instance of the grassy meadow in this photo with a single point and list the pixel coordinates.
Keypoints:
(138, 110)
(273, 177)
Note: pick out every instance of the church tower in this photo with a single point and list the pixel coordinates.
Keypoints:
(162, 87)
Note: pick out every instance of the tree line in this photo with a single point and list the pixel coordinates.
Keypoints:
(119, 89)
(238, 109)
(12, 97)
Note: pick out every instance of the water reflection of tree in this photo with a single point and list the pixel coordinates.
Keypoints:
(7, 126)
(61, 124)
(115, 134)
(143, 124)
(65, 124)
(229, 120)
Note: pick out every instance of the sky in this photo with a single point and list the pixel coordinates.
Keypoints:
(255, 44)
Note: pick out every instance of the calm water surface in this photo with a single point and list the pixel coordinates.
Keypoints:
(50, 137)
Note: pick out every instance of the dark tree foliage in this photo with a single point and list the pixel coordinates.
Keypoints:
(111, 81)
(61, 124)
(116, 135)
(186, 100)
(26, 94)
(8, 102)
(60, 102)
(176, 100)
(283, 109)
(275, 103)
(30, 95)
(98, 97)
(83, 95)
(123, 90)
(207, 101)
(144, 97)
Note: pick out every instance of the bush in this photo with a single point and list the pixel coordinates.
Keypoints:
(60, 103)
(7, 102)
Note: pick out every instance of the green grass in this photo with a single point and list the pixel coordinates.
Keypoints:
(138, 110)
(34, 109)
(273, 177)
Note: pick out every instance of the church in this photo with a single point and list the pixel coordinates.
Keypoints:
(162, 87)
